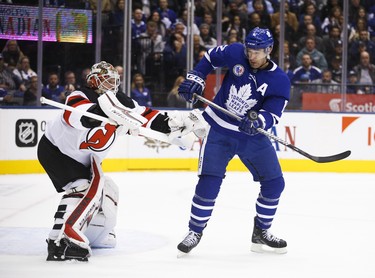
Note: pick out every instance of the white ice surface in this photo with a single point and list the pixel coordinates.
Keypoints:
(328, 220)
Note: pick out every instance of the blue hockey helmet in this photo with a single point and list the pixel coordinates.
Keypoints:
(259, 38)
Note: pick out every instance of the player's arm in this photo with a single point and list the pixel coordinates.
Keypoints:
(78, 100)
(195, 79)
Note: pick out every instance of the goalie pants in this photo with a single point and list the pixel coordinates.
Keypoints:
(60, 168)
(259, 157)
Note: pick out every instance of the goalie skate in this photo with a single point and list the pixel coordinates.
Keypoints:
(189, 243)
(265, 242)
(66, 250)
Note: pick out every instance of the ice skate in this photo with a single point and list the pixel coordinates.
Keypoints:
(263, 241)
(66, 251)
(190, 242)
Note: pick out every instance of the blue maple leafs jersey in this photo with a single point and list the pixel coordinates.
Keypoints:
(244, 88)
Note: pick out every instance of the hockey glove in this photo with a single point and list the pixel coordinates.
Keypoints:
(182, 124)
(193, 84)
(250, 123)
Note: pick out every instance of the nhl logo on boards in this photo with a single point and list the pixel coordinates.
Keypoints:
(238, 70)
(26, 133)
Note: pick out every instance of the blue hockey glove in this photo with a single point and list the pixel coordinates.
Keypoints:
(250, 122)
(193, 84)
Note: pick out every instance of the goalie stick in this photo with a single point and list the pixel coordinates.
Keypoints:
(318, 159)
(186, 141)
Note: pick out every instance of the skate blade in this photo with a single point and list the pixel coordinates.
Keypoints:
(262, 248)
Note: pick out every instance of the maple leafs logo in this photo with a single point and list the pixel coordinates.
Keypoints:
(240, 101)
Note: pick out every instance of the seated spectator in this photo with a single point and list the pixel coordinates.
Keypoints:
(167, 15)
(138, 25)
(325, 84)
(184, 20)
(207, 41)
(174, 99)
(299, 87)
(9, 86)
(312, 72)
(24, 72)
(311, 33)
(332, 20)
(236, 24)
(161, 29)
(197, 48)
(31, 94)
(317, 57)
(70, 82)
(11, 54)
(140, 93)
(290, 18)
(353, 86)
(335, 65)
(53, 90)
(311, 10)
(330, 39)
(366, 73)
(208, 19)
(364, 40)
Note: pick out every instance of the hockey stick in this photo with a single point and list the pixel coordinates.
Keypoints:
(186, 141)
(318, 159)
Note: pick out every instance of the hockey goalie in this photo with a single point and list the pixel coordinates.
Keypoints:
(71, 152)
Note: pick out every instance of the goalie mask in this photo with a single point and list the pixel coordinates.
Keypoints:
(103, 77)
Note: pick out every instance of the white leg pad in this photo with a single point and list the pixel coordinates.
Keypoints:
(77, 222)
(100, 231)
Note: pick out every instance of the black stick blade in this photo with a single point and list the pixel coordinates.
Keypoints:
(332, 158)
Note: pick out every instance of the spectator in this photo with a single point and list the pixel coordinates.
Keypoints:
(9, 85)
(236, 24)
(312, 72)
(261, 10)
(335, 65)
(184, 20)
(355, 29)
(332, 20)
(31, 94)
(138, 25)
(290, 18)
(208, 19)
(150, 45)
(106, 10)
(232, 10)
(299, 87)
(120, 71)
(161, 29)
(353, 86)
(54, 90)
(174, 54)
(327, 8)
(70, 79)
(207, 41)
(197, 48)
(11, 54)
(24, 72)
(330, 39)
(265, 3)
(311, 33)
(310, 9)
(354, 47)
(317, 57)
(366, 72)
(325, 84)
(168, 16)
(174, 99)
(140, 93)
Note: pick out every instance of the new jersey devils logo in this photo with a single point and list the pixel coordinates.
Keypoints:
(99, 139)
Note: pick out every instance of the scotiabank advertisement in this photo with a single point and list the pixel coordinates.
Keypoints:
(335, 103)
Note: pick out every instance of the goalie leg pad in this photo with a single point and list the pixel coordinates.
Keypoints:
(100, 231)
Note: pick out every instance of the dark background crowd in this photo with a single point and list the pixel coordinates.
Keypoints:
(313, 47)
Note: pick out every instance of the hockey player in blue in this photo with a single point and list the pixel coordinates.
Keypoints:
(252, 83)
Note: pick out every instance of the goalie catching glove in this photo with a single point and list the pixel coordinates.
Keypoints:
(182, 124)
(128, 120)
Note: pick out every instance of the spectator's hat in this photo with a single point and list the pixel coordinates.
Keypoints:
(1, 56)
(305, 77)
(338, 43)
(352, 73)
